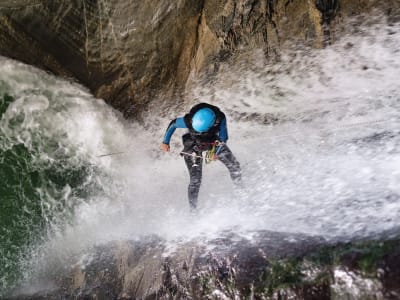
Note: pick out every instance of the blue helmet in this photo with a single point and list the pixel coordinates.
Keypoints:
(203, 119)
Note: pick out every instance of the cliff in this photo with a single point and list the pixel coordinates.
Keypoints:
(132, 53)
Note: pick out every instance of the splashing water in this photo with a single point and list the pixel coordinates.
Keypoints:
(49, 135)
(317, 134)
(329, 164)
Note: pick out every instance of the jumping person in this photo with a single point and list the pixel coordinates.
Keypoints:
(207, 129)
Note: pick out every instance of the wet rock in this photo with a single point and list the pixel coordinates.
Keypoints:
(270, 265)
(137, 53)
(148, 269)
(124, 51)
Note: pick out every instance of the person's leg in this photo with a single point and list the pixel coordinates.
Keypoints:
(226, 156)
(194, 165)
(195, 171)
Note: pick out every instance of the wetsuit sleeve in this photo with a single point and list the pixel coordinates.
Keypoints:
(177, 123)
(223, 131)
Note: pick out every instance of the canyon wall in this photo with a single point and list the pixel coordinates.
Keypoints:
(132, 53)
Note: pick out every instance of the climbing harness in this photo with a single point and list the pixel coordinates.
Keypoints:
(210, 156)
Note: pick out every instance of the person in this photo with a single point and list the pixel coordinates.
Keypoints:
(207, 128)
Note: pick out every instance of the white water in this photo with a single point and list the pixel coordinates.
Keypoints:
(311, 172)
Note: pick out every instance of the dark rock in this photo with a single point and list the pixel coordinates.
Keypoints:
(269, 266)
(136, 53)
(144, 269)
(124, 51)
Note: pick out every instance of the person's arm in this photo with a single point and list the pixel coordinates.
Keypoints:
(177, 123)
(223, 131)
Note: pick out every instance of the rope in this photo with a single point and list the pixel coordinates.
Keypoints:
(210, 155)
(109, 154)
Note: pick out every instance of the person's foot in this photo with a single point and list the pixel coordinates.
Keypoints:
(239, 189)
(238, 182)
(193, 211)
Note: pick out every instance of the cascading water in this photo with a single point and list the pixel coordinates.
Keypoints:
(48, 138)
(328, 164)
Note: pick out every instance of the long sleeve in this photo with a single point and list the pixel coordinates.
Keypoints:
(223, 131)
(177, 123)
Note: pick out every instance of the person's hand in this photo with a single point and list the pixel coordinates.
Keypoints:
(164, 147)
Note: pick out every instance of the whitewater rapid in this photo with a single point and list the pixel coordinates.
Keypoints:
(317, 135)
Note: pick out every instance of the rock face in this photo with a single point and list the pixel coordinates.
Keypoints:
(270, 266)
(133, 52)
(124, 51)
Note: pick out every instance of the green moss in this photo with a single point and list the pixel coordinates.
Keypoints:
(323, 257)
(365, 257)
(282, 274)
(368, 254)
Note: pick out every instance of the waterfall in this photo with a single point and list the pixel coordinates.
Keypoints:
(317, 134)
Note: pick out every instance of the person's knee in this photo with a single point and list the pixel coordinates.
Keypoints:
(236, 165)
(195, 181)
(235, 168)
(237, 172)
(236, 176)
